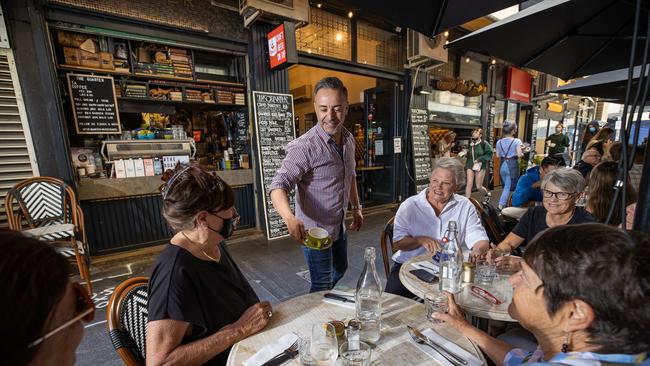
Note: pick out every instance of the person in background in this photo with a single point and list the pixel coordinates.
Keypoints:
(528, 187)
(590, 158)
(561, 189)
(588, 134)
(558, 143)
(478, 158)
(320, 165)
(421, 221)
(444, 146)
(637, 167)
(508, 150)
(41, 310)
(200, 304)
(583, 292)
(602, 140)
(601, 190)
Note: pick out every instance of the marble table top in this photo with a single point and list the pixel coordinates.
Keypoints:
(394, 348)
(467, 301)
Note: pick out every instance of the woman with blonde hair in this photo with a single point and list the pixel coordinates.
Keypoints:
(478, 158)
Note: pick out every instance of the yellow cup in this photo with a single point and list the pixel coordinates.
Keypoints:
(318, 238)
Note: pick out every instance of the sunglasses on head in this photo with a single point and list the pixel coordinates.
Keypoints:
(85, 311)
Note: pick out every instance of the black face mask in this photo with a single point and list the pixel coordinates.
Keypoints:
(229, 226)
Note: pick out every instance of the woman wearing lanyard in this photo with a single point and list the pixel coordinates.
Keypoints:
(508, 151)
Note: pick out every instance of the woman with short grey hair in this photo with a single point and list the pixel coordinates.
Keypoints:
(561, 190)
(454, 166)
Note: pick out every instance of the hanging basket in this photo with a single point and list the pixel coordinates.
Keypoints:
(445, 84)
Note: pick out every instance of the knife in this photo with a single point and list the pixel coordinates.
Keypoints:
(337, 297)
(437, 347)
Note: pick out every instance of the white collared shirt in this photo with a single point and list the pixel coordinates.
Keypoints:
(416, 217)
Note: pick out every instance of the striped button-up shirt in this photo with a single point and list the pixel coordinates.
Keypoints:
(322, 175)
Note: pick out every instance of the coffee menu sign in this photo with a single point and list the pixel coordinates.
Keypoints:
(421, 148)
(275, 129)
(94, 104)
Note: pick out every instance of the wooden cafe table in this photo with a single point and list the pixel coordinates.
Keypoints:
(394, 347)
(465, 299)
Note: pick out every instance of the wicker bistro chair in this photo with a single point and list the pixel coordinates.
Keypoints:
(490, 220)
(46, 208)
(127, 320)
(386, 240)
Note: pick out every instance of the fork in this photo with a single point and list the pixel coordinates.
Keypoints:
(286, 355)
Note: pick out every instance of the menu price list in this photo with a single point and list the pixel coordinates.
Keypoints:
(275, 129)
(94, 104)
(421, 148)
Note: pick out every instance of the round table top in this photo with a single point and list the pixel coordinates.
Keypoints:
(467, 301)
(394, 347)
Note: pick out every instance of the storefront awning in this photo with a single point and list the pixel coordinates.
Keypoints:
(607, 85)
(565, 38)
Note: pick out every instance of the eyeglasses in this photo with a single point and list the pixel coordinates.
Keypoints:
(559, 195)
(85, 310)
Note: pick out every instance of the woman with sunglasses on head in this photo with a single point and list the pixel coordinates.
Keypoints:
(583, 293)
(561, 190)
(41, 310)
(200, 304)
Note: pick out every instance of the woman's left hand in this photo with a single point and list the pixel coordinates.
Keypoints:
(455, 316)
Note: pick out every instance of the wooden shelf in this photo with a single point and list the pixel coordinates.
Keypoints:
(216, 82)
(164, 101)
(159, 76)
(83, 68)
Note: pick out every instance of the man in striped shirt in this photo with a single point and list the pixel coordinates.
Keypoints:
(320, 165)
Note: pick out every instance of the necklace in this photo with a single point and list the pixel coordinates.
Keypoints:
(199, 247)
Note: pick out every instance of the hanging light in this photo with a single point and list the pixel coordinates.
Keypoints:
(446, 33)
(350, 14)
(319, 5)
(467, 60)
(493, 62)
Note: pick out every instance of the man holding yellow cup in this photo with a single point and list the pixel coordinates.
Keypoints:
(320, 165)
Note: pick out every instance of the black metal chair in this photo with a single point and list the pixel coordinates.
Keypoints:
(127, 320)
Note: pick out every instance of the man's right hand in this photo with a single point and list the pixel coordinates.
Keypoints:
(296, 229)
(428, 243)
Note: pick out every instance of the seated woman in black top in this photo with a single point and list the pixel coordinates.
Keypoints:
(561, 189)
(200, 304)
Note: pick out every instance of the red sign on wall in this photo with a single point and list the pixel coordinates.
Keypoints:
(277, 46)
(518, 85)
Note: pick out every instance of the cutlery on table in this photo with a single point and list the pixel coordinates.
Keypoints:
(420, 338)
(285, 356)
(332, 296)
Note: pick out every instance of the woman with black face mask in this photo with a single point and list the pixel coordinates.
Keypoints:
(200, 304)
(588, 134)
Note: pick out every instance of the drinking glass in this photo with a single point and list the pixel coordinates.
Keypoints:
(304, 352)
(324, 347)
(355, 357)
(485, 273)
(435, 302)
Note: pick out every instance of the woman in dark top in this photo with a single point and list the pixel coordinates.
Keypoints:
(479, 156)
(200, 304)
(561, 189)
(602, 181)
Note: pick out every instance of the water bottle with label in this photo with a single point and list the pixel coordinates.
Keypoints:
(368, 300)
(451, 261)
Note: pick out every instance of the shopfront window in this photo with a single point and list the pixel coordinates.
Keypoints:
(512, 111)
(378, 47)
(327, 34)
(446, 106)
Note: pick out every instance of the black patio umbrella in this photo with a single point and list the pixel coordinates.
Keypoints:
(607, 85)
(565, 38)
(428, 17)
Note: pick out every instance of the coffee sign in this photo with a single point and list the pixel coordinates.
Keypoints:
(275, 129)
(94, 104)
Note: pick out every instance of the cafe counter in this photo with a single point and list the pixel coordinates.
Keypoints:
(125, 214)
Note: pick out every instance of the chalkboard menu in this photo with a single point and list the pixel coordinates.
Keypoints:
(94, 105)
(275, 129)
(421, 148)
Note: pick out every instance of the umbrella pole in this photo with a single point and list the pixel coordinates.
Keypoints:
(642, 213)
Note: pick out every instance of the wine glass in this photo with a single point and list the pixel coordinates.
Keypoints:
(324, 347)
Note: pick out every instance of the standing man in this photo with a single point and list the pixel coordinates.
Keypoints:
(320, 164)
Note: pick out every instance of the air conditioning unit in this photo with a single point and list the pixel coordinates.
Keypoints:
(422, 50)
(274, 10)
(301, 93)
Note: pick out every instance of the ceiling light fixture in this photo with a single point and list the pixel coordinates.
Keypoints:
(319, 5)
(467, 60)
(494, 62)
(446, 33)
(350, 14)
